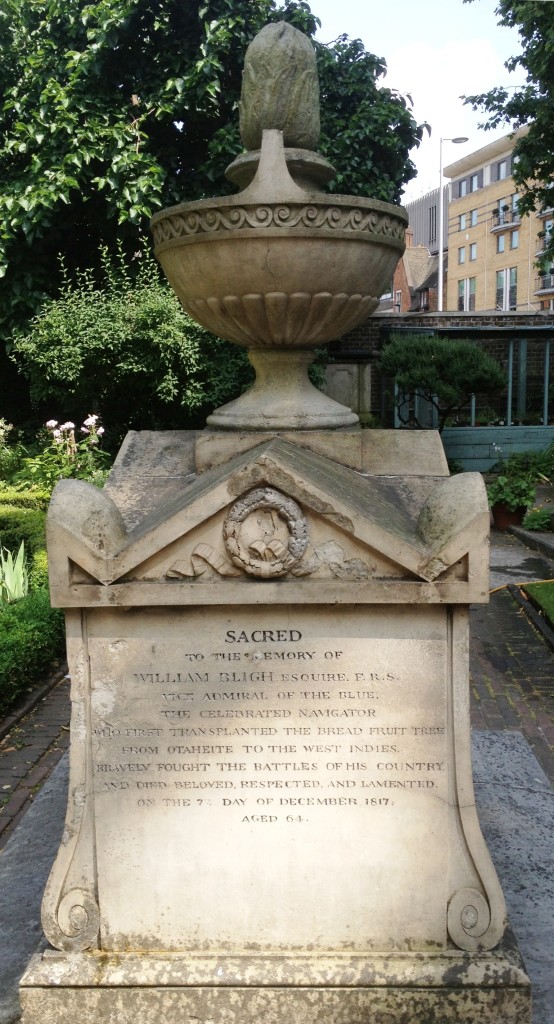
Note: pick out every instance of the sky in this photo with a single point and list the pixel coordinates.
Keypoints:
(435, 50)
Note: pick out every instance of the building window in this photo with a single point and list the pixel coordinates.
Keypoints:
(432, 226)
(473, 218)
(502, 170)
(514, 239)
(500, 276)
(398, 301)
(474, 183)
(506, 289)
(463, 187)
(473, 251)
(462, 254)
(545, 236)
(424, 299)
(512, 294)
(500, 243)
(515, 210)
(463, 222)
(466, 294)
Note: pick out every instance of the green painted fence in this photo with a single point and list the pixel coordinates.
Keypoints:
(479, 448)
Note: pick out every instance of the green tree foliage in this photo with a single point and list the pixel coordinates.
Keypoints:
(111, 109)
(367, 130)
(531, 104)
(119, 344)
(443, 372)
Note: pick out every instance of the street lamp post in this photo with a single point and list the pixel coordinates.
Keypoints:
(457, 140)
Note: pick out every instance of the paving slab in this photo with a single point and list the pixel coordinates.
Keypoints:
(515, 801)
(25, 863)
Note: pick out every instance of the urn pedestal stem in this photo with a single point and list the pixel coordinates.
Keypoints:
(282, 397)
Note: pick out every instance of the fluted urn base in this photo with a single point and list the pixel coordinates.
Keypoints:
(282, 397)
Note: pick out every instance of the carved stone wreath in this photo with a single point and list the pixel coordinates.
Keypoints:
(265, 533)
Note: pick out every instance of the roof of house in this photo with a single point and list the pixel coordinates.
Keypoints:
(420, 267)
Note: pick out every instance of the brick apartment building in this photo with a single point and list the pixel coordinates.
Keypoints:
(492, 251)
(495, 295)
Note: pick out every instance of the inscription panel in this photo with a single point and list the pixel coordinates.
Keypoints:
(272, 778)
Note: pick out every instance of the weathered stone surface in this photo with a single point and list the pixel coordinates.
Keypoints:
(376, 452)
(124, 990)
(276, 514)
(270, 697)
(280, 88)
(280, 269)
(361, 529)
(221, 735)
(308, 170)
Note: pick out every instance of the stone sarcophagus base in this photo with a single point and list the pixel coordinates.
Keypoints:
(382, 989)
(271, 812)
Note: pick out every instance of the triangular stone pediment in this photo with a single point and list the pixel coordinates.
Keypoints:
(275, 511)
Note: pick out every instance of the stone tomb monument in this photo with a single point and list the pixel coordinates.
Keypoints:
(271, 814)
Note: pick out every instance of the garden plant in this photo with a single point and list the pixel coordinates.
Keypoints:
(445, 373)
(119, 342)
(31, 632)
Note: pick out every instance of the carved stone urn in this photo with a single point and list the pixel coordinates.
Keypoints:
(281, 267)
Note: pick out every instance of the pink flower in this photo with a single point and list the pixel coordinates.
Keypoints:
(51, 424)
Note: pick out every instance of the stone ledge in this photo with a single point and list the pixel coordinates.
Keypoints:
(208, 1005)
(444, 969)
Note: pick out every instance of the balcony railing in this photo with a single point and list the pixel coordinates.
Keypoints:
(544, 283)
(544, 241)
(505, 218)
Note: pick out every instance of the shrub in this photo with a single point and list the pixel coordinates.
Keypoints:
(22, 524)
(121, 344)
(38, 571)
(538, 466)
(538, 519)
(31, 632)
(512, 491)
(11, 453)
(37, 499)
(443, 372)
(31, 641)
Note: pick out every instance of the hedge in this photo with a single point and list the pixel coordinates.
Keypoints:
(31, 642)
(38, 571)
(32, 636)
(24, 499)
(22, 518)
(22, 524)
